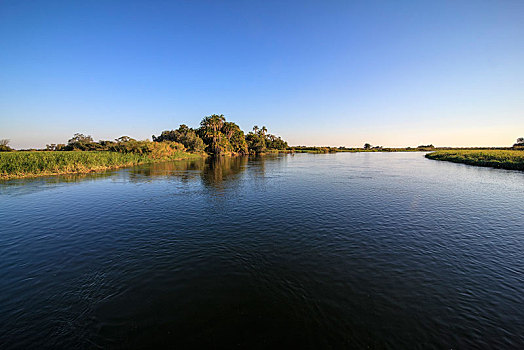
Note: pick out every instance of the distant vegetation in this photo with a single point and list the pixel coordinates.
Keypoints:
(519, 144)
(4, 146)
(504, 159)
(367, 148)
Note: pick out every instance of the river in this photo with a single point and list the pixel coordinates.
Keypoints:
(345, 250)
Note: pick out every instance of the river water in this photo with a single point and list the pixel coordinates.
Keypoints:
(364, 250)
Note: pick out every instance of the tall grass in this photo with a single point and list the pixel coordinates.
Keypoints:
(503, 159)
(20, 164)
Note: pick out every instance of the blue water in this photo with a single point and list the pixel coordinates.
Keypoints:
(378, 250)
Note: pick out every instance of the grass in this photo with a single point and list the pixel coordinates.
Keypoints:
(503, 159)
(43, 163)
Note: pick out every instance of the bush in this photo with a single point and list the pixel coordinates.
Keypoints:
(183, 135)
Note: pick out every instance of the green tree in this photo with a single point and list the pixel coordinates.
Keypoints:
(210, 128)
(259, 140)
(184, 135)
(4, 145)
(256, 142)
(275, 142)
(80, 138)
(367, 146)
(235, 137)
(82, 142)
(520, 143)
(124, 139)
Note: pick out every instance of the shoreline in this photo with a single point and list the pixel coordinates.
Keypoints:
(87, 169)
(498, 159)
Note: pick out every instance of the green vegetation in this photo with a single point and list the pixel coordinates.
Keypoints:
(367, 148)
(519, 144)
(39, 163)
(19, 164)
(184, 135)
(259, 141)
(82, 154)
(504, 159)
(4, 146)
(220, 137)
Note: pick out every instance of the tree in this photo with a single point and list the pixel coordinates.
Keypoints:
(426, 147)
(124, 139)
(4, 145)
(184, 135)
(256, 142)
(81, 142)
(210, 128)
(259, 140)
(228, 129)
(236, 138)
(275, 142)
(520, 141)
(367, 146)
(80, 138)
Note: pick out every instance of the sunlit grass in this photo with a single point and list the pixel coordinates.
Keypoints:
(504, 159)
(20, 164)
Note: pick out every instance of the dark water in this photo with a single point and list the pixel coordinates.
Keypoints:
(306, 251)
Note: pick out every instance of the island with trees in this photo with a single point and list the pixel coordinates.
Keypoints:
(214, 137)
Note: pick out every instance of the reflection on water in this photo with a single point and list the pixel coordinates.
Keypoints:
(186, 170)
(42, 183)
(214, 173)
(221, 170)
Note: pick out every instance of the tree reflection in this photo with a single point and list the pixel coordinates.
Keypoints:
(214, 173)
(184, 170)
(220, 171)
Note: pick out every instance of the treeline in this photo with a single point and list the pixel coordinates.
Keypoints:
(124, 144)
(220, 137)
(214, 136)
(367, 148)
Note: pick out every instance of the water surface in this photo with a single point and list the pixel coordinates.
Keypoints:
(378, 250)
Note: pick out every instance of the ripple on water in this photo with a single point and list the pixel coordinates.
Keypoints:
(313, 251)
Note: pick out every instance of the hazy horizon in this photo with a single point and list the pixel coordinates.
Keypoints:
(316, 73)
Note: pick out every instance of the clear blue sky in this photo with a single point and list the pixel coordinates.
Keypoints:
(392, 73)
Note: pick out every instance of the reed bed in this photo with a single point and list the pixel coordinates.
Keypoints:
(41, 163)
(503, 159)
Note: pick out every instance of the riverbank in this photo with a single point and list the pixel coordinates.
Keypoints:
(22, 164)
(502, 159)
(321, 149)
